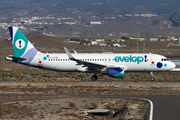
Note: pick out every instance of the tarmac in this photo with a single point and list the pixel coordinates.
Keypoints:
(165, 107)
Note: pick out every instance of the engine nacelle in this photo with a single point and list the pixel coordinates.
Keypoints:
(116, 72)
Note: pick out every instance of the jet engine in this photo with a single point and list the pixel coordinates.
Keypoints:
(116, 72)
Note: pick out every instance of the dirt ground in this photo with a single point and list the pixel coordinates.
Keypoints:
(50, 100)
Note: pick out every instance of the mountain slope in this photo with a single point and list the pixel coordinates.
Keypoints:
(175, 19)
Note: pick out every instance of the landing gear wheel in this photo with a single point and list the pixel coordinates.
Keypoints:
(94, 78)
(151, 73)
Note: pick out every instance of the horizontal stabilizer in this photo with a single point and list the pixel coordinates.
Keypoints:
(11, 57)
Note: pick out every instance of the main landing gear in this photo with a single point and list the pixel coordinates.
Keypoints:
(94, 77)
(152, 78)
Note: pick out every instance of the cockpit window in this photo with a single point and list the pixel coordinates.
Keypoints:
(164, 59)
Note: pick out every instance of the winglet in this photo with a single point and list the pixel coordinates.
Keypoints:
(69, 54)
(75, 51)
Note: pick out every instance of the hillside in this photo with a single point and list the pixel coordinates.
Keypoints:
(175, 19)
(156, 6)
(118, 17)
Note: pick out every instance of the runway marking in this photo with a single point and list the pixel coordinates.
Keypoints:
(151, 108)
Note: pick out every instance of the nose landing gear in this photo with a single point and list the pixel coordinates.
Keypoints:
(152, 78)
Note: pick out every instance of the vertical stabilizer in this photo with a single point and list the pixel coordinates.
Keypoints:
(21, 45)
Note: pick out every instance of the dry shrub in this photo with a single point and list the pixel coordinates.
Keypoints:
(28, 85)
(94, 105)
(72, 105)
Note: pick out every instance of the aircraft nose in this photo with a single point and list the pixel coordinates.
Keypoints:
(172, 65)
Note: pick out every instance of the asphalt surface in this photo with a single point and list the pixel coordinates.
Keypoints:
(165, 107)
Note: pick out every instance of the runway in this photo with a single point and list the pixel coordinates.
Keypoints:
(165, 107)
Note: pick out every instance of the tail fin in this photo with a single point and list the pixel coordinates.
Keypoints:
(20, 43)
(22, 46)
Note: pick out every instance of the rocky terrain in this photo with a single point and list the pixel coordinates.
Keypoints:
(51, 100)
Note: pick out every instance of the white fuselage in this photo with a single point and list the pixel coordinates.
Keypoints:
(129, 61)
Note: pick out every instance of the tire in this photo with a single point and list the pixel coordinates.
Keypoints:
(94, 78)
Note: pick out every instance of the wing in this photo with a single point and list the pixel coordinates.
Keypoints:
(90, 65)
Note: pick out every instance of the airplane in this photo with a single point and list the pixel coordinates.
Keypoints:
(113, 65)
